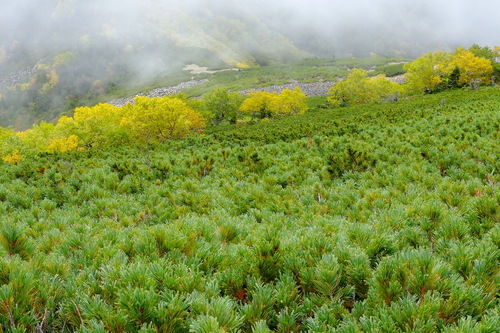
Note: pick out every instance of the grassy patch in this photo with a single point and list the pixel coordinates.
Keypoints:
(389, 70)
(307, 70)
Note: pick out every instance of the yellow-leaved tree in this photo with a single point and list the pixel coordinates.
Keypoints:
(359, 88)
(99, 125)
(262, 104)
(288, 102)
(51, 138)
(159, 119)
(472, 69)
(62, 144)
(10, 143)
(428, 71)
(441, 70)
(258, 103)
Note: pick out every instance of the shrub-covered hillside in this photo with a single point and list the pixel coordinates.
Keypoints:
(374, 218)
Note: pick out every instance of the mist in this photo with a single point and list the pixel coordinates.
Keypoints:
(318, 27)
(408, 27)
(126, 42)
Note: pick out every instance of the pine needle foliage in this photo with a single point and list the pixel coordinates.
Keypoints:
(377, 218)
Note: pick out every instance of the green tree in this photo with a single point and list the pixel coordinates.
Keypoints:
(222, 105)
(359, 88)
(38, 136)
(482, 52)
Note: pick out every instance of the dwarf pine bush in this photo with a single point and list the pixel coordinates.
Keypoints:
(376, 218)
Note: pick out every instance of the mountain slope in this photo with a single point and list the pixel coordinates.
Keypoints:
(363, 218)
(102, 48)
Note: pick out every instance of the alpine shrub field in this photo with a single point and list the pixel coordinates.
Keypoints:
(381, 217)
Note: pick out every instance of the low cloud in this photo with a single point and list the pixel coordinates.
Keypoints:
(356, 26)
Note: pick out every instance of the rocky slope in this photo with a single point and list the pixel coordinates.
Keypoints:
(311, 89)
(159, 92)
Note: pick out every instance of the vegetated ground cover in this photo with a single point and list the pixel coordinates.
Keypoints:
(378, 218)
(27, 103)
(307, 70)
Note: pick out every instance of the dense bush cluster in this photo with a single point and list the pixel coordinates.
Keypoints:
(265, 104)
(432, 72)
(381, 217)
(443, 70)
(148, 120)
(361, 89)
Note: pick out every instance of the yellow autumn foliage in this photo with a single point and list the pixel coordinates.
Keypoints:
(428, 71)
(64, 58)
(99, 124)
(267, 104)
(288, 102)
(148, 120)
(161, 118)
(38, 136)
(13, 158)
(472, 67)
(62, 144)
(437, 69)
(243, 65)
(258, 102)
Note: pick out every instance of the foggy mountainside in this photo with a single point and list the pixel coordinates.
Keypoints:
(58, 54)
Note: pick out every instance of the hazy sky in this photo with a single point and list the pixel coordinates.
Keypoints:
(445, 22)
(319, 26)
